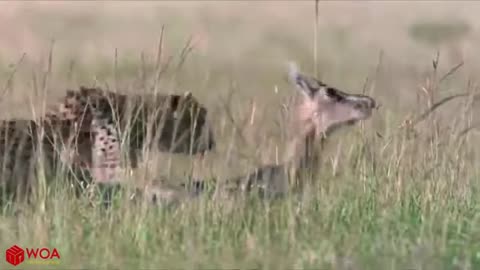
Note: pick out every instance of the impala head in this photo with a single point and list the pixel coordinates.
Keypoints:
(324, 108)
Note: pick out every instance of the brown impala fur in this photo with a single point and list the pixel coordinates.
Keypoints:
(319, 111)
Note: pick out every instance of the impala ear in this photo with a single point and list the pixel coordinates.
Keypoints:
(187, 94)
(300, 81)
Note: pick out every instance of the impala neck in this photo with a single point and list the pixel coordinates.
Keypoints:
(303, 154)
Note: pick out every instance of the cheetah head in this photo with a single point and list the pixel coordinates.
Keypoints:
(186, 128)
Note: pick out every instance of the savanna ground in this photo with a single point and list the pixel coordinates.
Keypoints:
(390, 196)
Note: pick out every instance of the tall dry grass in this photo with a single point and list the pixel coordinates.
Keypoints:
(398, 191)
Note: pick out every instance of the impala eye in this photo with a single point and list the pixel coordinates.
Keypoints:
(358, 106)
(333, 94)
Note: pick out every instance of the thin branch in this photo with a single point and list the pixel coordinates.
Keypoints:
(435, 106)
(158, 61)
(238, 128)
(451, 71)
(466, 130)
(8, 84)
(185, 51)
(115, 70)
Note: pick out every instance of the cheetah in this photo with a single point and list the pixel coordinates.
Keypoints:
(26, 146)
(84, 131)
(169, 123)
